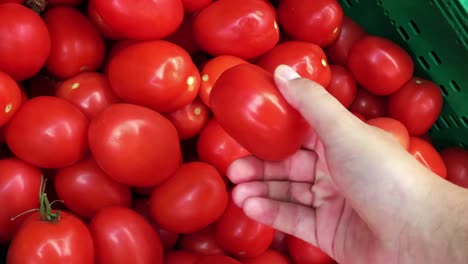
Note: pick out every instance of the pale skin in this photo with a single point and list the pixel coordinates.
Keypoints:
(352, 190)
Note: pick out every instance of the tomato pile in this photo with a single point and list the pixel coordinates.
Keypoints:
(131, 112)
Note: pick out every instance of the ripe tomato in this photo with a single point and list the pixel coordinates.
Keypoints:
(264, 123)
(123, 236)
(427, 155)
(190, 119)
(190, 200)
(317, 21)
(146, 20)
(268, 257)
(134, 145)
(85, 189)
(237, 234)
(24, 41)
(302, 252)
(183, 37)
(369, 105)
(417, 105)
(48, 132)
(216, 259)
(11, 1)
(10, 98)
(456, 160)
(64, 2)
(342, 85)
(76, 46)
(180, 257)
(202, 242)
(211, 72)
(394, 127)
(156, 74)
(88, 91)
(239, 28)
(191, 6)
(96, 19)
(337, 52)
(307, 59)
(379, 65)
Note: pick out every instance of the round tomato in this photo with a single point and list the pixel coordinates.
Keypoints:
(427, 155)
(302, 252)
(10, 98)
(76, 46)
(96, 19)
(64, 2)
(48, 132)
(239, 28)
(263, 123)
(216, 259)
(317, 21)
(456, 160)
(183, 37)
(191, 6)
(369, 105)
(190, 119)
(24, 41)
(123, 236)
(134, 145)
(342, 85)
(202, 242)
(268, 257)
(379, 65)
(394, 127)
(180, 257)
(307, 59)
(417, 105)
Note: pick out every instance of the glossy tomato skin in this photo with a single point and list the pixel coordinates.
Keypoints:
(379, 65)
(342, 85)
(19, 28)
(369, 105)
(180, 257)
(307, 59)
(202, 242)
(268, 257)
(156, 74)
(427, 155)
(37, 241)
(417, 105)
(134, 145)
(191, 6)
(317, 21)
(264, 123)
(184, 37)
(96, 19)
(10, 98)
(48, 132)
(76, 46)
(301, 252)
(456, 160)
(216, 259)
(245, 29)
(190, 119)
(123, 236)
(394, 127)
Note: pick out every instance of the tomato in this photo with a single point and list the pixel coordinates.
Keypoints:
(427, 155)
(369, 105)
(302, 252)
(263, 123)
(191, 6)
(456, 160)
(20, 28)
(180, 257)
(279, 242)
(268, 257)
(239, 28)
(190, 200)
(41, 85)
(190, 119)
(394, 127)
(96, 19)
(237, 234)
(134, 145)
(342, 85)
(417, 105)
(337, 52)
(307, 59)
(123, 236)
(2, 135)
(379, 65)
(156, 74)
(202, 242)
(10, 98)
(211, 72)
(216, 259)
(64, 2)
(146, 20)
(48, 132)
(11, 1)
(317, 21)
(183, 37)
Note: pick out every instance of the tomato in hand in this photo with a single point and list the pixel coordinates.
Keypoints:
(10, 98)
(394, 127)
(417, 105)
(268, 257)
(302, 252)
(307, 59)
(202, 242)
(217, 259)
(48, 132)
(263, 123)
(369, 105)
(191, 6)
(134, 145)
(427, 155)
(342, 85)
(190, 119)
(183, 37)
(456, 161)
(180, 257)
(239, 28)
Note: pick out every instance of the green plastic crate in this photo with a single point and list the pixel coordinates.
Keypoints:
(435, 33)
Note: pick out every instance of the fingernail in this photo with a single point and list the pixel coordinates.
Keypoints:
(286, 73)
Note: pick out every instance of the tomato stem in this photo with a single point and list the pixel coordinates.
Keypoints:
(45, 207)
(37, 6)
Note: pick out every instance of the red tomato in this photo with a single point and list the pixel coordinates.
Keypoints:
(268, 257)
(237, 234)
(156, 74)
(317, 21)
(379, 65)
(238, 28)
(190, 119)
(41, 85)
(456, 160)
(337, 52)
(216, 259)
(307, 59)
(180, 257)
(123, 236)
(417, 105)
(102, 26)
(427, 155)
(48, 132)
(2, 134)
(183, 37)
(134, 145)
(202, 242)
(264, 123)
(279, 242)
(302, 252)
(191, 6)
(190, 200)
(146, 20)
(24, 41)
(394, 127)
(11, 1)
(76, 46)
(10, 98)
(88, 91)
(342, 85)
(64, 2)
(369, 105)
(85, 189)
